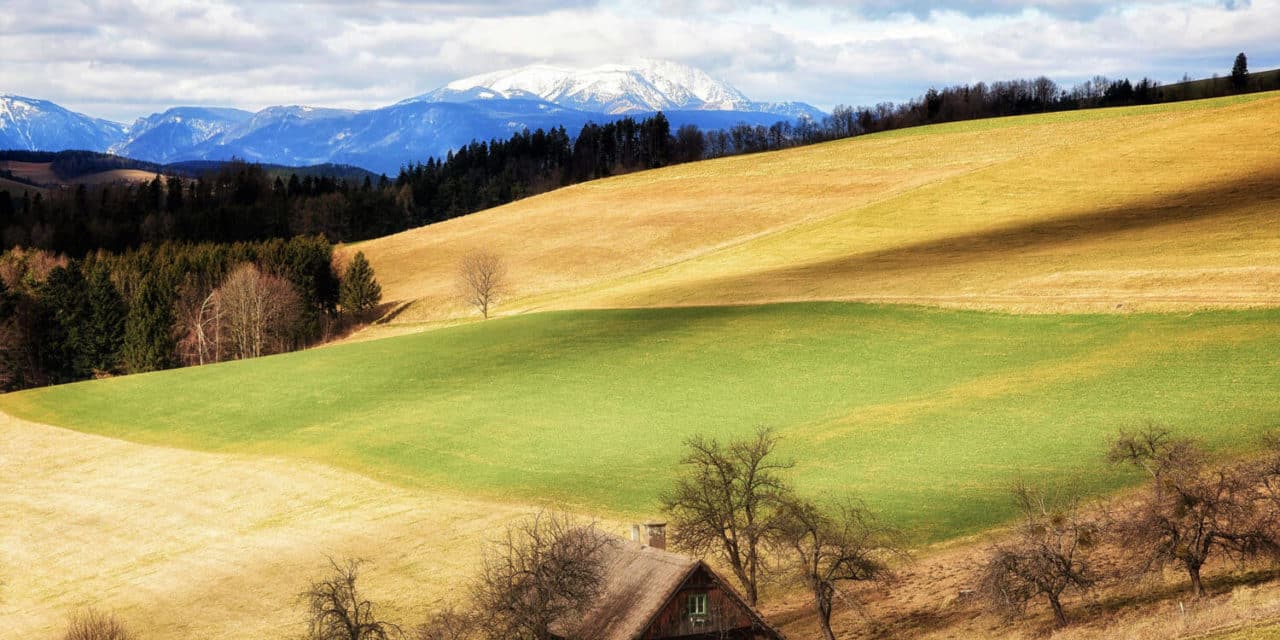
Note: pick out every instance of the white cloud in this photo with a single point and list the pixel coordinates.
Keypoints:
(122, 59)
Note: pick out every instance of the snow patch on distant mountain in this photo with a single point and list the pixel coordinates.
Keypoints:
(162, 137)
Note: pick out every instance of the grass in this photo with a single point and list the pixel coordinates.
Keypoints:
(1166, 208)
(928, 414)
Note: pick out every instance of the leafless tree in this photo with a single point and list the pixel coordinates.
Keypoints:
(449, 624)
(728, 502)
(826, 548)
(541, 574)
(336, 610)
(1048, 556)
(198, 320)
(257, 310)
(92, 624)
(482, 280)
(1193, 511)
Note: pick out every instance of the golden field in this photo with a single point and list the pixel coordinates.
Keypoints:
(1149, 208)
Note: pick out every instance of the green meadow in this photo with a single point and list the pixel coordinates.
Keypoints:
(926, 414)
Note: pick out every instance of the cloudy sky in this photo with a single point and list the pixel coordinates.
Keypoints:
(121, 59)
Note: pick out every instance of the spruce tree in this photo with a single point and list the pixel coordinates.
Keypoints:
(149, 343)
(1240, 72)
(360, 291)
(63, 342)
(106, 322)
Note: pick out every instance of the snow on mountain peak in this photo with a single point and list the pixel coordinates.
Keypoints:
(646, 85)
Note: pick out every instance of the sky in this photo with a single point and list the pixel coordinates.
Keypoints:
(121, 59)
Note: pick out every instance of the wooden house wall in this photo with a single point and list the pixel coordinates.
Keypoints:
(725, 616)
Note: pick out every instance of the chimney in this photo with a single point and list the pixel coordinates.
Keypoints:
(656, 534)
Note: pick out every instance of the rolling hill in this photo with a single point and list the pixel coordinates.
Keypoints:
(708, 298)
(1135, 208)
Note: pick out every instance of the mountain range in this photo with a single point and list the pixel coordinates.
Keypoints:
(492, 105)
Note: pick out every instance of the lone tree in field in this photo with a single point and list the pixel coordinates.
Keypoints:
(546, 570)
(1048, 556)
(1192, 512)
(360, 291)
(728, 502)
(91, 624)
(825, 548)
(1240, 72)
(482, 280)
(336, 610)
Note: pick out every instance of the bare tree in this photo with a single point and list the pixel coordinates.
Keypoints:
(1193, 512)
(91, 624)
(544, 572)
(1048, 556)
(824, 549)
(728, 502)
(336, 610)
(198, 320)
(257, 310)
(482, 280)
(449, 624)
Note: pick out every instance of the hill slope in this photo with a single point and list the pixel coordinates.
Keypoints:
(1163, 207)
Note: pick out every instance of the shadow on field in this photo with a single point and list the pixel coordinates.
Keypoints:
(1220, 200)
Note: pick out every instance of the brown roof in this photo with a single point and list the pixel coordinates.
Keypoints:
(639, 581)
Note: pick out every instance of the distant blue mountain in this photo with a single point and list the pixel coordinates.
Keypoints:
(383, 140)
(39, 125)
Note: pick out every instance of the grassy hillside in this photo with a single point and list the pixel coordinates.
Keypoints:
(1164, 207)
(928, 414)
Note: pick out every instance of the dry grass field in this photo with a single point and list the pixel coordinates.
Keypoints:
(1162, 208)
(42, 173)
(198, 545)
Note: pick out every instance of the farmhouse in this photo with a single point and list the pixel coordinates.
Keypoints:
(652, 594)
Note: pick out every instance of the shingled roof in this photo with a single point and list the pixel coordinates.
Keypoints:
(639, 581)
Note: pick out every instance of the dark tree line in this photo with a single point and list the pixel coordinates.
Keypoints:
(64, 320)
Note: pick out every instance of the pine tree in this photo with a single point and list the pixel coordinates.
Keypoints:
(106, 322)
(1240, 72)
(360, 291)
(63, 343)
(149, 343)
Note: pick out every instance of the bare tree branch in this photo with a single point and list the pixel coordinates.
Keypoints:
(337, 611)
(482, 280)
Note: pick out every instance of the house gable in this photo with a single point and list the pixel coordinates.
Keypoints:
(704, 606)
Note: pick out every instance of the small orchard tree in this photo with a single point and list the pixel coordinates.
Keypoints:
(1193, 512)
(542, 573)
(360, 291)
(336, 610)
(1047, 557)
(728, 501)
(482, 280)
(1240, 72)
(824, 548)
(92, 624)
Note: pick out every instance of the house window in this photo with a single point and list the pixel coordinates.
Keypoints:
(698, 606)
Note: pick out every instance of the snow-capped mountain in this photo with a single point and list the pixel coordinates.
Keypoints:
(494, 105)
(646, 86)
(164, 137)
(39, 125)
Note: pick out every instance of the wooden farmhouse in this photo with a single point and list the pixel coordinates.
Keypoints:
(652, 594)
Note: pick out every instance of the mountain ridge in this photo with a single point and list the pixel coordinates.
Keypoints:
(484, 107)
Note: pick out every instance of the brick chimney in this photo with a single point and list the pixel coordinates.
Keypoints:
(656, 534)
(653, 534)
